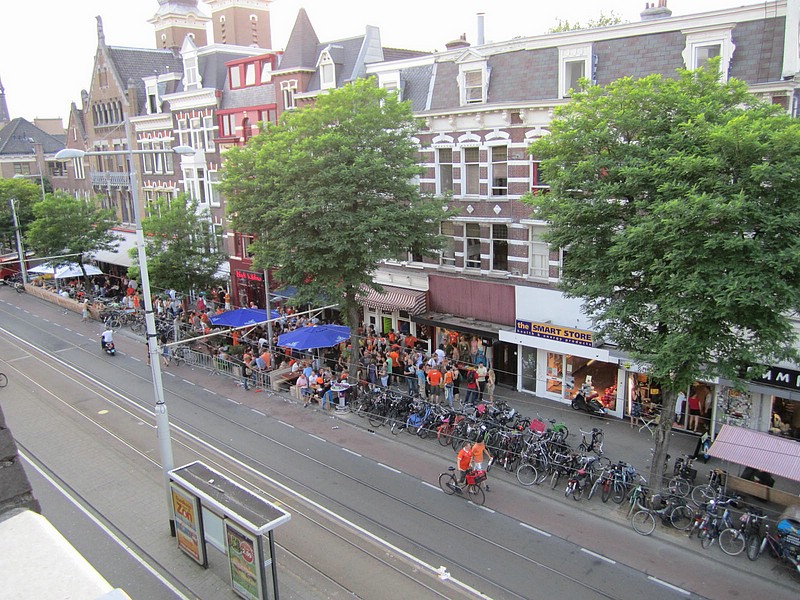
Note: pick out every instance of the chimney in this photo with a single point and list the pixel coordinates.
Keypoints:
(481, 40)
(459, 43)
(652, 11)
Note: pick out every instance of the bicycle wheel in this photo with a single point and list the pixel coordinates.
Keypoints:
(554, 479)
(598, 439)
(577, 492)
(679, 486)
(527, 474)
(753, 547)
(476, 494)
(681, 517)
(3, 380)
(703, 493)
(447, 481)
(137, 326)
(643, 522)
(376, 419)
(706, 539)
(594, 488)
(618, 493)
(443, 434)
(731, 541)
(606, 494)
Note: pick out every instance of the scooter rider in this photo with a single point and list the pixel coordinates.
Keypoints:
(107, 337)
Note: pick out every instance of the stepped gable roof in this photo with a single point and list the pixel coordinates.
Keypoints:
(15, 138)
(302, 49)
(132, 64)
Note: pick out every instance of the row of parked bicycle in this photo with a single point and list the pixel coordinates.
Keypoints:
(538, 451)
(117, 317)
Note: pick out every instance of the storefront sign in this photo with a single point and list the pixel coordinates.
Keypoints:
(188, 529)
(780, 377)
(248, 275)
(547, 331)
(244, 562)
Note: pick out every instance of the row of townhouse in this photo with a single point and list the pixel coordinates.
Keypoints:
(482, 105)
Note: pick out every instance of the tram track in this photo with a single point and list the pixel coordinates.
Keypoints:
(263, 477)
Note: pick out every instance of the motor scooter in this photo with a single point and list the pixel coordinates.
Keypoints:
(109, 348)
(586, 400)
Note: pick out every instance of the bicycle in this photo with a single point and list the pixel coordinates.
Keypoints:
(706, 492)
(595, 444)
(674, 512)
(786, 548)
(475, 493)
(683, 476)
(3, 380)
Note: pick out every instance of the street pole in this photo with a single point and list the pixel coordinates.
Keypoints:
(22, 266)
(269, 316)
(161, 413)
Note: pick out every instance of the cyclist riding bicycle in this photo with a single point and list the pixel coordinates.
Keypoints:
(463, 463)
(478, 450)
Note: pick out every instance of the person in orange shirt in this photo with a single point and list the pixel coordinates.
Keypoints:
(267, 358)
(462, 465)
(435, 381)
(478, 450)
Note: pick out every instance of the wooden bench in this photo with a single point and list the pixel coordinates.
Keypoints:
(761, 491)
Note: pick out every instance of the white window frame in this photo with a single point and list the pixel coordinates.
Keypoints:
(212, 181)
(266, 72)
(466, 169)
(492, 240)
(184, 132)
(327, 71)
(228, 125)
(391, 82)
(447, 255)
(468, 89)
(498, 191)
(191, 72)
(567, 55)
(288, 91)
(440, 189)
(209, 131)
(538, 254)
(468, 245)
(709, 36)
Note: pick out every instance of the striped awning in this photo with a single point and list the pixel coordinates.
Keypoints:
(394, 298)
(761, 451)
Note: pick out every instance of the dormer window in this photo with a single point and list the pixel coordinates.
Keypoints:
(705, 43)
(327, 71)
(473, 81)
(574, 63)
(191, 73)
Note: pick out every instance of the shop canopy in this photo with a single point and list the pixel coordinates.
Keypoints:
(760, 451)
(394, 298)
(65, 271)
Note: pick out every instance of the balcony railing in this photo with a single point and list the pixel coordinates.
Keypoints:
(118, 180)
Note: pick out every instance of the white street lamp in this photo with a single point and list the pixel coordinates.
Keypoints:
(161, 414)
(40, 176)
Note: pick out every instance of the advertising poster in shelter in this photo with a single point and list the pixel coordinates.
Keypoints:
(244, 560)
(188, 528)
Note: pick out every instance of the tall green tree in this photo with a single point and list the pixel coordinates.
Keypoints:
(68, 229)
(182, 250)
(26, 194)
(330, 192)
(678, 205)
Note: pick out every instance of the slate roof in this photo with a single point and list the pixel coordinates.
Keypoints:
(302, 49)
(14, 138)
(345, 54)
(132, 64)
(258, 95)
(390, 54)
(416, 83)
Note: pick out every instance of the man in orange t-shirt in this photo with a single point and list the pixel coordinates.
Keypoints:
(462, 464)
(435, 381)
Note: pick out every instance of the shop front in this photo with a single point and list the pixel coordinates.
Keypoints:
(555, 361)
(247, 285)
(393, 309)
(771, 403)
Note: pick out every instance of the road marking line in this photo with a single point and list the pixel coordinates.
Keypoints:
(388, 468)
(285, 423)
(489, 510)
(316, 437)
(67, 329)
(258, 412)
(351, 452)
(189, 382)
(234, 401)
(539, 531)
(80, 334)
(669, 585)
(210, 391)
(430, 485)
(600, 556)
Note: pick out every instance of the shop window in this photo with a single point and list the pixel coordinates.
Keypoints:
(472, 246)
(785, 418)
(470, 177)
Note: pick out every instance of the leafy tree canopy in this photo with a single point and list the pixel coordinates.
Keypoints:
(26, 194)
(604, 20)
(330, 192)
(678, 204)
(182, 250)
(68, 229)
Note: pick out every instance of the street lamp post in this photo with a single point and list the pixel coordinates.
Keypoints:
(40, 176)
(23, 268)
(161, 414)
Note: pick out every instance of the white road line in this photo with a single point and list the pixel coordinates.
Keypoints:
(234, 401)
(539, 531)
(258, 412)
(80, 334)
(388, 468)
(489, 510)
(285, 423)
(351, 452)
(600, 556)
(430, 485)
(189, 382)
(669, 585)
(210, 391)
(67, 329)
(105, 529)
(316, 437)
(167, 373)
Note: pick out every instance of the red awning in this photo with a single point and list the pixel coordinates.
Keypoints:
(758, 450)
(394, 298)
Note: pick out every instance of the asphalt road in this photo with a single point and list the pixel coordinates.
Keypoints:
(368, 517)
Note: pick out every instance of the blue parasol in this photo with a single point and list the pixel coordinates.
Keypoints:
(242, 317)
(318, 336)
